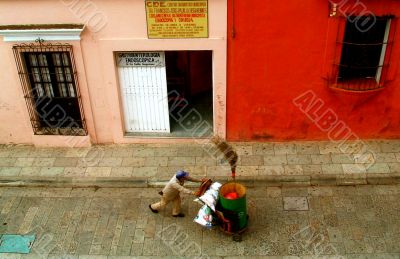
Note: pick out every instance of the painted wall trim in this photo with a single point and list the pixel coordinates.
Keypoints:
(45, 34)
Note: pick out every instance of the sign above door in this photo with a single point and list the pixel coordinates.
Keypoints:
(174, 19)
(141, 59)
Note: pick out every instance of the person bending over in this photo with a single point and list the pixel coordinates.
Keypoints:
(171, 193)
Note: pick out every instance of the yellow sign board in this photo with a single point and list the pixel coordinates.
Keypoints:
(172, 19)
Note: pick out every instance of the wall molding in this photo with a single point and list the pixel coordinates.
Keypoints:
(45, 34)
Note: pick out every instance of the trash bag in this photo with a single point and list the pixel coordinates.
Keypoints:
(204, 217)
(210, 197)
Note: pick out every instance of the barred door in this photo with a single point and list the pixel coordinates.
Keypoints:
(143, 85)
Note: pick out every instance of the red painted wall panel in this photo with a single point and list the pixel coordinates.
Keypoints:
(283, 49)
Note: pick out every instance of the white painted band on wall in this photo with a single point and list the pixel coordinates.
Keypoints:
(45, 34)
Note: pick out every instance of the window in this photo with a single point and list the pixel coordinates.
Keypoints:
(363, 60)
(48, 78)
(50, 74)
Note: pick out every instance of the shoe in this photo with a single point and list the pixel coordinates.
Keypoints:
(180, 215)
(153, 210)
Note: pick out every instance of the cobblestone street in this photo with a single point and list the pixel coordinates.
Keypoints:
(349, 221)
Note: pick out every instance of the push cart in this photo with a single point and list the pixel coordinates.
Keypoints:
(232, 213)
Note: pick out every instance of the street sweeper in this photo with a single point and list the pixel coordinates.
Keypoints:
(171, 193)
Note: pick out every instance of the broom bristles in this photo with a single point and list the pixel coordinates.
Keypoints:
(227, 150)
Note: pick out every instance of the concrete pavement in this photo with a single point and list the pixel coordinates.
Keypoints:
(142, 165)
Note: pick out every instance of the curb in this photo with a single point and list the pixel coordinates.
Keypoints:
(72, 182)
(249, 181)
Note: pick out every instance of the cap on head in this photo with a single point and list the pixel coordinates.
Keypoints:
(181, 174)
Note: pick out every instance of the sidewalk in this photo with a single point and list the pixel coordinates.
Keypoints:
(143, 165)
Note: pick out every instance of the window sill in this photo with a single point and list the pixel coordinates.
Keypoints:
(359, 86)
(61, 141)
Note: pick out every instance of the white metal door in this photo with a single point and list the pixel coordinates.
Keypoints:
(143, 83)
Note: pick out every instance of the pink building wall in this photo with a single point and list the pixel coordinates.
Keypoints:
(111, 26)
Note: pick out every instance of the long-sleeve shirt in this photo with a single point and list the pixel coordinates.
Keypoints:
(173, 188)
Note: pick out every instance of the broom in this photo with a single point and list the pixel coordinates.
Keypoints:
(229, 153)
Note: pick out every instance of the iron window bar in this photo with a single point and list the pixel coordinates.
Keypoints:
(52, 92)
(365, 44)
(358, 67)
(368, 83)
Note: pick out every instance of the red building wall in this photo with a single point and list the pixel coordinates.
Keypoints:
(282, 49)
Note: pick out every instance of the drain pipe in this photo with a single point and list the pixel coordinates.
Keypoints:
(233, 33)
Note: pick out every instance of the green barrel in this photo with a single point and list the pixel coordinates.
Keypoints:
(237, 206)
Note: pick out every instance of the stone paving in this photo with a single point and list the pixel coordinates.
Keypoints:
(307, 222)
(347, 163)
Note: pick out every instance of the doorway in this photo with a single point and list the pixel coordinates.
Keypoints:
(189, 84)
(167, 93)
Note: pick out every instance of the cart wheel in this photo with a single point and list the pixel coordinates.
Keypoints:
(237, 237)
